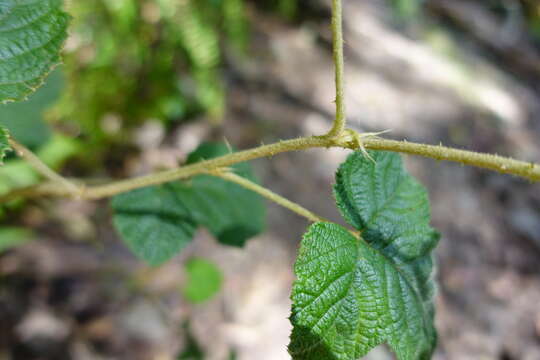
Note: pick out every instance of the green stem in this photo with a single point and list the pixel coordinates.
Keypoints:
(337, 45)
(347, 140)
(41, 167)
(270, 195)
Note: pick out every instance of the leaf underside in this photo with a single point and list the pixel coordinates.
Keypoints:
(32, 33)
(352, 295)
(158, 222)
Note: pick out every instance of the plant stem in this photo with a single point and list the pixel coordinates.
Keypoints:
(270, 195)
(339, 63)
(500, 164)
(41, 167)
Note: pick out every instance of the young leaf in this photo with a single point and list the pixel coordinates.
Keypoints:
(233, 214)
(4, 144)
(153, 222)
(353, 295)
(349, 298)
(203, 280)
(31, 35)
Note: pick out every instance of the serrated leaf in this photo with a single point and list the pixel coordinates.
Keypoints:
(32, 33)
(153, 222)
(349, 298)
(4, 144)
(233, 214)
(352, 295)
(203, 280)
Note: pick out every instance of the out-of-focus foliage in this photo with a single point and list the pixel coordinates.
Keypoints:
(131, 60)
(203, 281)
(11, 237)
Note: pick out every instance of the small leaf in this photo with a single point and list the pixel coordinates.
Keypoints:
(4, 144)
(203, 280)
(349, 298)
(32, 33)
(153, 222)
(11, 237)
(353, 295)
(233, 214)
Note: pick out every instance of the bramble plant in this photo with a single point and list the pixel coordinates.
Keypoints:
(356, 288)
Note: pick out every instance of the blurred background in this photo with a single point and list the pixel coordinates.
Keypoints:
(146, 81)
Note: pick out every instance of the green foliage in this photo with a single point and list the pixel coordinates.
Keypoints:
(32, 33)
(25, 120)
(350, 294)
(203, 280)
(159, 59)
(233, 214)
(157, 222)
(153, 222)
(11, 237)
(4, 144)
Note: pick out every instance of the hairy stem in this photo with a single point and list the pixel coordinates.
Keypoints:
(337, 46)
(347, 140)
(41, 167)
(270, 195)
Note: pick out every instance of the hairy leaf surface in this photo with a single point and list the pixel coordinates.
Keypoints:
(352, 295)
(32, 33)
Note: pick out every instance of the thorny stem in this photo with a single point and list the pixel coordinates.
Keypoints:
(337, 44)
(270, 195)
(500, 164)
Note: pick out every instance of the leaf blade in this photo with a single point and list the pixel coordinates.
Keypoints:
(152, 222)
(32, 35)
(341, 309)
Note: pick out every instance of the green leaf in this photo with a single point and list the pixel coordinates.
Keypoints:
(203, 280)
(157, 222)
(387, 204)
(11, 237)
(32, 33)
(349, 298)
(25, 120)
(4, 144)
(153, 222)
(352, 295)
(233, 214)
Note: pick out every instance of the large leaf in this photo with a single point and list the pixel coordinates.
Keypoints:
(349, 298)
(157, 222)
(153, 222)
(4, 144)
(31, 35)
(351, 294)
